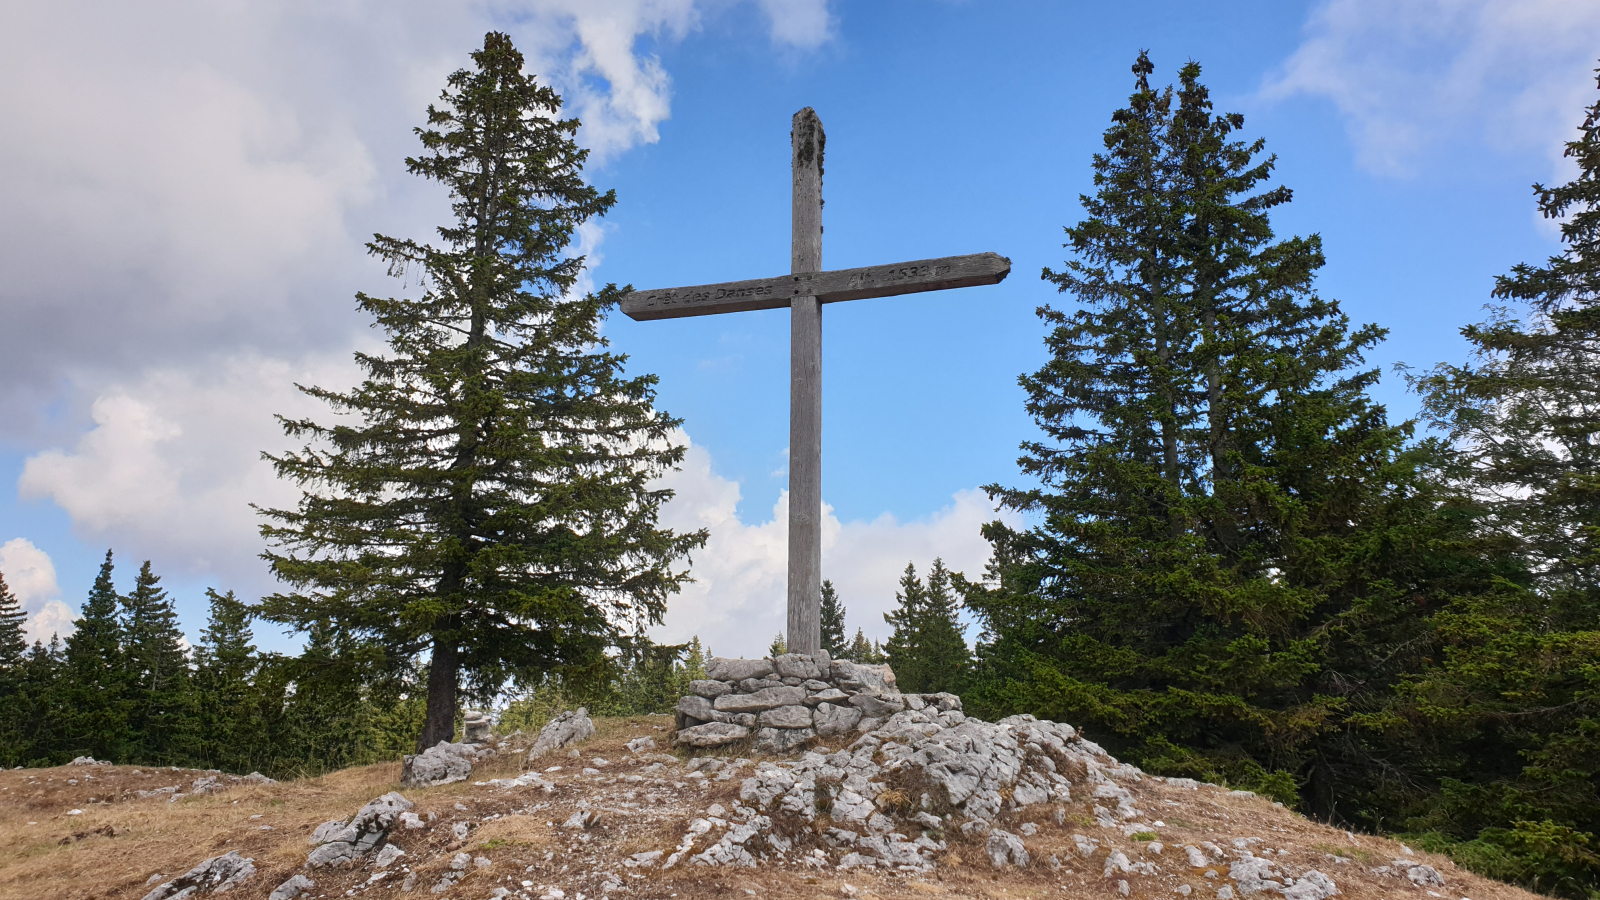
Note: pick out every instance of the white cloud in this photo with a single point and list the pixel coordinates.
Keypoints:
(737, 603)
(32, 578)
(184, 225)
(804, 24)
(203, 175)
(1409, 75)
(172, 463)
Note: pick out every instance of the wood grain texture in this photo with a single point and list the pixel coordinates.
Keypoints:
(804, 624)
(829, 287)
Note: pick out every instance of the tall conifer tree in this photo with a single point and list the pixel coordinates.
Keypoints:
(161, 712)
(489, 500)
(1511, 710)
(13, 642)
(946, 658)
(94, 688)
(1236, 549)
(904, 647)
(926, 649)
(225, 664)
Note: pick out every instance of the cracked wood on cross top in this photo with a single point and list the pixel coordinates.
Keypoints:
(829, 287)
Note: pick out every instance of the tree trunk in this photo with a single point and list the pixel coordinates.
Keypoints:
(440, 724)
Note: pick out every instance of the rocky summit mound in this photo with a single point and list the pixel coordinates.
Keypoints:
(925, 802)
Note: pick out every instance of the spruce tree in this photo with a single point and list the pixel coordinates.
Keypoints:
(927, 650)
(904, 648)
(225, 665)
(862, 650)
(13, 641)
(489, 500)
(833, 639)
(1510, 711)
(94, 689)
(32, 731)
(161, 709)
(946, 658)
(13, 655)
(1236, 550)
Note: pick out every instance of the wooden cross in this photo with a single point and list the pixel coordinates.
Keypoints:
(804, 291)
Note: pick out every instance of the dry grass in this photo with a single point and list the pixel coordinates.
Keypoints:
(120, 841)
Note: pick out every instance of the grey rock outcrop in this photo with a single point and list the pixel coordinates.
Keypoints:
(214, 876)
(1005, 849)
(443, 763)
(292, 888)
(565, 729)
(364, 833)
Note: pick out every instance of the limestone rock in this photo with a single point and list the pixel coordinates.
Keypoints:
(796, 665)
(723, 669)
(832, 720)
(786, 717)
(782, 740)
(1005, 849)
(697, 707)
(1253, 874)
(475, 726)
(767, 698)
(711, 734)
(828, 695)
(641, 744)
(1424, 876)
(442, 763)
(1314, 885)
(294, 887)
(708, 688)
(363, 834)
(568, 728)
(855, 677)
(215, 875)
(877, 707)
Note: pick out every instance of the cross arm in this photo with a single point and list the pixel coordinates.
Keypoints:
(830, 287)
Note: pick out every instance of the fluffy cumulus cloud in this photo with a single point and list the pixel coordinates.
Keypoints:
(186, 208)
(32, 578)
(188, 177)
(737, 603)
(172, 464)
(1408, 75)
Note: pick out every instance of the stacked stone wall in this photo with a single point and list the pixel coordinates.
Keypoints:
(788, 700)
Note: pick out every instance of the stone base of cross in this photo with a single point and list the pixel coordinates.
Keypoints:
(804, 290)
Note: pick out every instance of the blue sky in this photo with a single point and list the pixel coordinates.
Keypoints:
(184, 236)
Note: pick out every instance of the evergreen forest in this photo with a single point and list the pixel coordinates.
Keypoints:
(1236, 565)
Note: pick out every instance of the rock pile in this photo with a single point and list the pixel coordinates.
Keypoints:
(916, 772)
(475, 726)
(791, 699)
